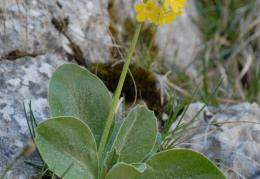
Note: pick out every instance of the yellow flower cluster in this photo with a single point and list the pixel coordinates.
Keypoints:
(157, 14)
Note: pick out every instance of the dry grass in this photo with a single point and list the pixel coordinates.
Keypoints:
(231, 33)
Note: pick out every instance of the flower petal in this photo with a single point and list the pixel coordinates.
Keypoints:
(169, 18)
(140, 7)
(152, 17)
(181, 3)
(180, 12)
(141, 16)
(160, 21)
(158, 10)
(167, 2)
(175, 8)
(151, 3)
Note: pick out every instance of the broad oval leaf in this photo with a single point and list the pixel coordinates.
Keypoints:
(76, 92)
(180, 164)
(68, 147)
(122, 171)
(136, 136)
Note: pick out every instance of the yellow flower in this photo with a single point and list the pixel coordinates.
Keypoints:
(148, 10)
(175, 4)
(167, 16)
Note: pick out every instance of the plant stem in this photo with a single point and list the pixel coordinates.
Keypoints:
(118, 92)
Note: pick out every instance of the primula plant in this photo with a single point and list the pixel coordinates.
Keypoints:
(82, 140)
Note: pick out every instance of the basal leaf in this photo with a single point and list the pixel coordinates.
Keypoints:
(76, 92)
(180, 164)
(68, 147)
(122, 171)
(110, 161)
(136, 136)
(155, 147)
(112, 139)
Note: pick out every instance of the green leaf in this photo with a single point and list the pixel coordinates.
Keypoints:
(136, 136)
(155, 147)
(110, 157)
(140, 166)
(122, 171)
(68, 146)
(112, 139)
(181, 164)
(111, 160)
(76, 92)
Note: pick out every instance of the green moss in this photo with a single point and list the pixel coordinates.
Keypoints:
(18, 54)
(145, 82)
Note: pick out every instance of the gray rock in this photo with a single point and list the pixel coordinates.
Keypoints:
(235, 146)
(22, 80)
(86, 28)
(180, 40)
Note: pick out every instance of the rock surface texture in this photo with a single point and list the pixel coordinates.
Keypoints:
(180, 40)
(22, 80)
(29, 27)
(233, 146)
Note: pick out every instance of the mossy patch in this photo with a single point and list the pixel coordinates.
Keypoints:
(145, 81)
(18, 54)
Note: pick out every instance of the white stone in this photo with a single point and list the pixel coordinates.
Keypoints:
(14, 81)
(86, 28)
(90, 5)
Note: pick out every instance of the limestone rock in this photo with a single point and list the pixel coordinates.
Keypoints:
(29, 27)
(180, 40)
(234, 146)
(22, 80)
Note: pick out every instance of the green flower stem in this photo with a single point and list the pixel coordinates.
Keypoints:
(118, 92)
